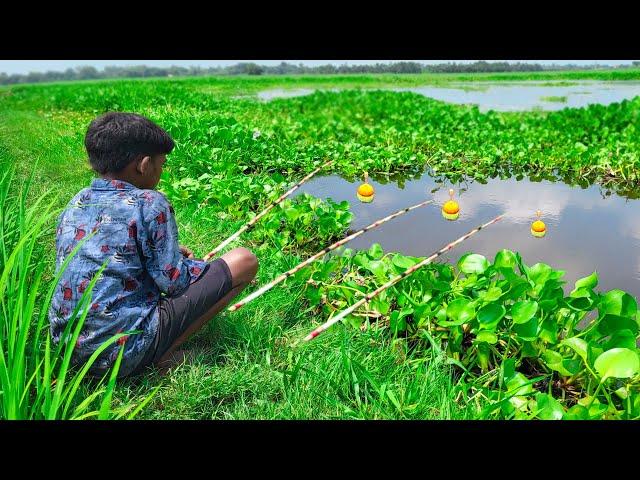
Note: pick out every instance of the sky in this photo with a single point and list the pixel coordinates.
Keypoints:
(26, 66)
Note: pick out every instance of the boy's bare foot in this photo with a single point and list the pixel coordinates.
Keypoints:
(177, 358)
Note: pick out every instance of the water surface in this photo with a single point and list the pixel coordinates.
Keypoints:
(586, 229)
(509, 96)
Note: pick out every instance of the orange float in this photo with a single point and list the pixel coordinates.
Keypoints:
(538, 228)
(451, 209)
(365, 191)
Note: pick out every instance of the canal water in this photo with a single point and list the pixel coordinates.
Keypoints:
(510, 96)
(587, 230)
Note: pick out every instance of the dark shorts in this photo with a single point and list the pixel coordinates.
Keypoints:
(177, 314)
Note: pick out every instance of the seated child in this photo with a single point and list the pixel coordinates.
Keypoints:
(150, 283)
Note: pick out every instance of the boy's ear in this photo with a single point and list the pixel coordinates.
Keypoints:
(143, 165)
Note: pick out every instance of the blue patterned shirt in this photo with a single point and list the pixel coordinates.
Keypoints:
(136, 233)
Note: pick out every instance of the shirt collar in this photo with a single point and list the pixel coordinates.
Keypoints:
(115, 185)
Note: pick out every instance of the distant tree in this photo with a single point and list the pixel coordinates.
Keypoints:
(284, 68)
(246, 69)
(86, 72)
(253, 69)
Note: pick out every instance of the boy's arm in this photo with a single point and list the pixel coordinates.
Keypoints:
(163, 257)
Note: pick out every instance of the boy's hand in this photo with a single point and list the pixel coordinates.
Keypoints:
(186, 252)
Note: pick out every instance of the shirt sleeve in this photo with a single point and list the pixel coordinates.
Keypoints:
(158, 238)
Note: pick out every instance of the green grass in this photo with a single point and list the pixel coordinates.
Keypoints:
(37, 380)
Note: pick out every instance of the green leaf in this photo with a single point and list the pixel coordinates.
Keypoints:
(397, 320)
(422, 315)
(518, 288)
(571, 365)
(548, 407)
(403, 262)
(507, 369)
(577, 412)
(581, 147)
(612, 323)
(473, 263)
(377, 268)
(380, 305)
(527, 331)
(461, 311)
(635, 405)
(617, 363)
(555, 361)
(617, 302)
(593, 351)
(597, 411)
(490, 315)
(622, 393)
(486, 336)
(589, 282)
(539, 274)
(519, 385)
(505, 259)
(375, 251)
(509, 274)
(523, 311)
(361, 259)
(549, 330)
(529, 350)
(622, 339)
(581, 300)
(582, 293)
(492, 294)
(578, 345)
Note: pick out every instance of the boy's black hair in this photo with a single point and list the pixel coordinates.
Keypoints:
(115, 139)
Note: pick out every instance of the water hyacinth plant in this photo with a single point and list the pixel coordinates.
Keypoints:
(517, 340)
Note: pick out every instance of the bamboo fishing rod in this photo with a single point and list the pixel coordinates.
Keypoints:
(255, 219)
(395, 280)
(321, 253)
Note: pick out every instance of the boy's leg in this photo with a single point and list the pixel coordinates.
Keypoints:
(243, 266)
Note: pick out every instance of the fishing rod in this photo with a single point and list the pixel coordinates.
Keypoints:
(395, 280)
(321, 253)
(255, 219)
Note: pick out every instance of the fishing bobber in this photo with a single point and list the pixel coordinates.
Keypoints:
(365, 191)
(451, 209)
(538, 228)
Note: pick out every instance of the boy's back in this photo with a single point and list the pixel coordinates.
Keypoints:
(134, 231)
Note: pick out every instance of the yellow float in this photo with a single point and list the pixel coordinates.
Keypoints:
(538, 228)
(451, 209)
(365, 191)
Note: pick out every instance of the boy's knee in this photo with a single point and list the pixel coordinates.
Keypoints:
(249, 261)
(243, 264)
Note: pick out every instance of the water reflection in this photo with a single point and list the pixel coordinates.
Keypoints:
(586, 230)
(532, 96)
(507, 96)
(283, 93)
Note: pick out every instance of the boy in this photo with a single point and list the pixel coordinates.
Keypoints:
(135, 230)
